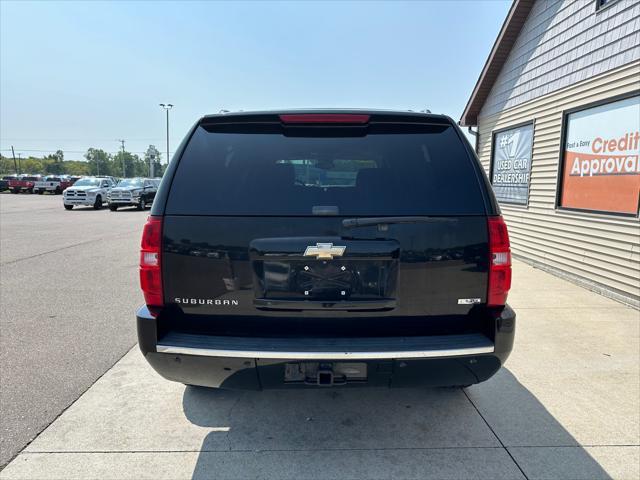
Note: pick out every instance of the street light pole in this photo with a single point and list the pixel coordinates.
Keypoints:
(167, 107)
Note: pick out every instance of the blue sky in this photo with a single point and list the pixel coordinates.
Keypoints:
(80, 74)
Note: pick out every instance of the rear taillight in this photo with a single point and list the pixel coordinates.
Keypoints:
(150, 268)
(499, 263)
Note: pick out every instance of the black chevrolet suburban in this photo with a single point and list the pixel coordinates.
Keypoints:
(325, 248)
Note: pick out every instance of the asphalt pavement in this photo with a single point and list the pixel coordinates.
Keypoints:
(68, 292)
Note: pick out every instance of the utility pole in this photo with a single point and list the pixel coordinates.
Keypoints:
(20, 162)
(15, 165)
(152, 159)
(124, 168)
(167, 107)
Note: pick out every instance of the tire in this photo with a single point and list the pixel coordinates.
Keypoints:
(141, 204)
(68, 207)
(97, 205)
(15, 190)
(40, 192)
(113, 208)
(30, 190)
(58, 191)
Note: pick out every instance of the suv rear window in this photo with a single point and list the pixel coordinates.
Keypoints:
(383, 170)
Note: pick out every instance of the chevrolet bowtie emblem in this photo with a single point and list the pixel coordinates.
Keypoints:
(324, 251)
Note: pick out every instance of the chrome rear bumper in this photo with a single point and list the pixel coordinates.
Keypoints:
(261, 363)
(326, 349)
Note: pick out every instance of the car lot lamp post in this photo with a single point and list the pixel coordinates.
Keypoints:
(167, 107)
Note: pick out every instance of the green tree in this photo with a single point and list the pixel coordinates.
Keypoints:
(127, 164)
(159, 171)
(139, 167)
(31, 165)
(51, 164)
(77, 167)
(54, 163)
(100, 162)
(6, 165)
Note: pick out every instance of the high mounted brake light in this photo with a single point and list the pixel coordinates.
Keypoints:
(150, 267)
(344, 118)
(499, 262)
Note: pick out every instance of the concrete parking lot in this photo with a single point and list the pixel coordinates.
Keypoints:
(566, 405)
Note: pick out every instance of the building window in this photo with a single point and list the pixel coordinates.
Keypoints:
(604, 3)
(600, 162)
(511, 164)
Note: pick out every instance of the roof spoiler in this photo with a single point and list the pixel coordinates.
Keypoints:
(324, 117)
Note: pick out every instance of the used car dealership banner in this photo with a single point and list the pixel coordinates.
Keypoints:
(511, 164)
(601, 170)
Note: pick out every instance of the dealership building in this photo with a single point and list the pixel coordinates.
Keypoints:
(557, 114)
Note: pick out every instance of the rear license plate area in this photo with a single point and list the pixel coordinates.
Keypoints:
(328, 280)
(323, 279)
(325, 374)
(362, 275)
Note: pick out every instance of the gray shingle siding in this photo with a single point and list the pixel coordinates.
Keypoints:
(562, 43)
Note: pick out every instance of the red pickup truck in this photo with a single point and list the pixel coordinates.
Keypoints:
(24, 183)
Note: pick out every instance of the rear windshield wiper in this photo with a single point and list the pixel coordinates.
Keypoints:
(366, 222)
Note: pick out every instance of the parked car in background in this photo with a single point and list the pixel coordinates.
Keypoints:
(4, 182)
(52, 184)
(138, 192)
(24, 183)
(73, 179)
(88, 191)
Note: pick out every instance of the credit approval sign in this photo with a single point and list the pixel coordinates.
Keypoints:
(601, 161)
